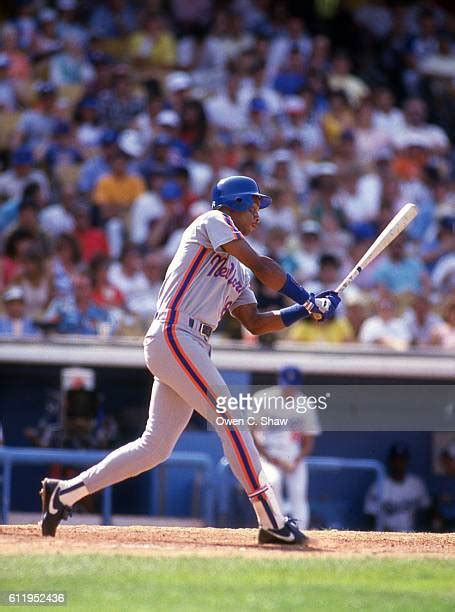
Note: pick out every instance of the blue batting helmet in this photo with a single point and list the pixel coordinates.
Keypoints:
(236, 192)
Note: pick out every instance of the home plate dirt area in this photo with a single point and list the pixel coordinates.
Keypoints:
(169, 541)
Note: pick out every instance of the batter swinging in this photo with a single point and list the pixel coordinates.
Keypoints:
(207, 277)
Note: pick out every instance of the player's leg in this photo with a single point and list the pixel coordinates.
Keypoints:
(297, 485)
(194, 376)
(275, 478)
(168, 417)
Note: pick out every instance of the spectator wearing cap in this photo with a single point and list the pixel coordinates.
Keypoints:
(14, 323)
(36, 125)
(19, 63)
(120, 103)
(154, 46)
(355, 302)
(259, 126)
(168, 124)
(8, 96)
(172, 219)
(14, 181)
(402, 498)
(178, 88)
(77, 313)
(92, 240)
(71, 66)
(386, 327)
(62, 150)
(283, 453)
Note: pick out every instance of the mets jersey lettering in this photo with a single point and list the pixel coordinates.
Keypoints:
(202, 279)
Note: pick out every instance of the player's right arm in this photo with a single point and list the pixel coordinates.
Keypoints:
(272, 275)
(264, 268)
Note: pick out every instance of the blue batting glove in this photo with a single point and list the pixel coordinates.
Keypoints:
(326, 303)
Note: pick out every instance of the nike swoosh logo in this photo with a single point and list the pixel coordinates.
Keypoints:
(52, 509)
(289, 538)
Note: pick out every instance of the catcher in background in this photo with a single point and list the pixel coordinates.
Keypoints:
(207, 278)
(283, 452)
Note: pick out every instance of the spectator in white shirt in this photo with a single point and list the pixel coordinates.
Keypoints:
(127, 274)
(386, 328)
(421, 320)
(225, 110)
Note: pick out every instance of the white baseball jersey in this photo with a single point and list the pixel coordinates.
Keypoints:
(285, 444)
(400, 502)
(202, 280)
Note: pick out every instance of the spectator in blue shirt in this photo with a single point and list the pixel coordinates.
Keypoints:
(13, 323)
(399, 273)
(79, 314)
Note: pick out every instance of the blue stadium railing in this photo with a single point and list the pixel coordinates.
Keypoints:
(200, 462)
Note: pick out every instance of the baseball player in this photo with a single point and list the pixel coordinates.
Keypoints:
(207, 277)
(283, 452)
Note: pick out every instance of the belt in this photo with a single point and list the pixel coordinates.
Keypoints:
(204, 329)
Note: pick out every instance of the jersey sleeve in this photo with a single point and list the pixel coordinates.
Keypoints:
(220, 229)
(246, 297)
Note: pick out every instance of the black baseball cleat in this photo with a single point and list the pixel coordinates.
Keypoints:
(53, 509)
(289, 534)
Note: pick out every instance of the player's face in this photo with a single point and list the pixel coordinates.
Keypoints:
(247, 220)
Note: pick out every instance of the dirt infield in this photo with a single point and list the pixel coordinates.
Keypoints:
(170, 541)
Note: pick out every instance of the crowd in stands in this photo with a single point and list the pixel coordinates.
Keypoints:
(118, 116)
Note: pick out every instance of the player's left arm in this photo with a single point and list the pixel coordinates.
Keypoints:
(258, 323)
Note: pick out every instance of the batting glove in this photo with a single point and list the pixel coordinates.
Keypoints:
(326, 303)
